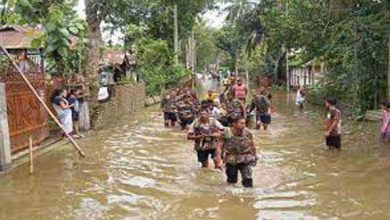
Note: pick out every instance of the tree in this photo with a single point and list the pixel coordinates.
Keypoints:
(60, 23)
(155, 14)
(349, 37)
(206, 46)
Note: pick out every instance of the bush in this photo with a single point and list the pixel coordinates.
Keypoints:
(158, 71)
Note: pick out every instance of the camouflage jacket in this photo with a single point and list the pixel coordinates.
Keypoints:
(168, 105)
(233, 107)
(206, 143)
(185, 110)
(238, 149)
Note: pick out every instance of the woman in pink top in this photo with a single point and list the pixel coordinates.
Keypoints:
(240, 91)
(385, 125)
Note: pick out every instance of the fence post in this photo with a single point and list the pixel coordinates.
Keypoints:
(5, 145)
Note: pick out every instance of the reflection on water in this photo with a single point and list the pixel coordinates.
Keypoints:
(144, 171)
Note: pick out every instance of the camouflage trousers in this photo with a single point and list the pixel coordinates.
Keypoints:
(245, 170)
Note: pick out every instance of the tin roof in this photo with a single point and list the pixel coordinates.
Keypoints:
(117, 57)
(18, 37)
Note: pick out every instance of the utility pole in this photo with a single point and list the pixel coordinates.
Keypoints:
(175, 35)
(193, 51)
(287, 73)
(287, 69)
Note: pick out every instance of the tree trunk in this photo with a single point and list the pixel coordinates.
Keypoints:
(237, 64)
(277, 63)
(93, 60)
(94, 18)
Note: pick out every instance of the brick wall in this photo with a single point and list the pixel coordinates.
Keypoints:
(127, 100)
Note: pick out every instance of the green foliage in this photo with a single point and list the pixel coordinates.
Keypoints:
(155, 61)
(157, 15)
(206, 49)
(60, 23)
(349, 37)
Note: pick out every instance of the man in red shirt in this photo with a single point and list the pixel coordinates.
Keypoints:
(333, 125)
(240, 91)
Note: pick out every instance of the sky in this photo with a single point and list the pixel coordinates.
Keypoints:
(214, 18)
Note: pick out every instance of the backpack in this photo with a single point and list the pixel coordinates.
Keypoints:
(262, 104)
(207, 142)
(236, 148)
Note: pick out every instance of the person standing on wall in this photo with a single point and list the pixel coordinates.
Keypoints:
(62, 107)
(74, 104)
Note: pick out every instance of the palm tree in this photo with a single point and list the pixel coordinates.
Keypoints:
(238, 8)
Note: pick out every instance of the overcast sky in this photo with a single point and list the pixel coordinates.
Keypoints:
(214, 18)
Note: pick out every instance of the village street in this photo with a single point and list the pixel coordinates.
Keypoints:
(138, 169)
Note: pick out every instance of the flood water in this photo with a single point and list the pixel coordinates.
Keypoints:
(138, 169)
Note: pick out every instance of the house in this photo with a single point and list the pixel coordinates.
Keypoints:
(26, 117)
(120, 64)
(307, 74)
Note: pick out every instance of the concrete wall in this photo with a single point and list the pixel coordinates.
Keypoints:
(126, 100)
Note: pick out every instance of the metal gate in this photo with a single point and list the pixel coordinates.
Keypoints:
(26, 117)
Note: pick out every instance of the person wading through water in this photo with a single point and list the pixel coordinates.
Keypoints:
(385, 122)
(168, 106)
(186, 112)
(239, 152)
(333, 125)
(263, 109)
(205, 132)
(300, 98)
(234, 108)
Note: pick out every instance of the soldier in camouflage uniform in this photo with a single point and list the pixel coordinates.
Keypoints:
(205, 131)
(196, 103)
(168, 106)
(239, 152)
(234, 108)
(186, 112)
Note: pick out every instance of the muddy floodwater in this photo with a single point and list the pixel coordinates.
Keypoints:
(138, 169)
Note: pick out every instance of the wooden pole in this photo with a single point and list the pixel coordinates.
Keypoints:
(31, 156)
(74, 143)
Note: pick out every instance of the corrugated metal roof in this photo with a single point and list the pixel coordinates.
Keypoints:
(116, 57)
(18, 37)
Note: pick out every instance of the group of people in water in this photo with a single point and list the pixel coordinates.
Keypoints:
(218, 126)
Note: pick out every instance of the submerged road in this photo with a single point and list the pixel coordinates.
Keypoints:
(138, 169)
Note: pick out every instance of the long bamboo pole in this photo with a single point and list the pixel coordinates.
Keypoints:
(31, 155)
(74, 143)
